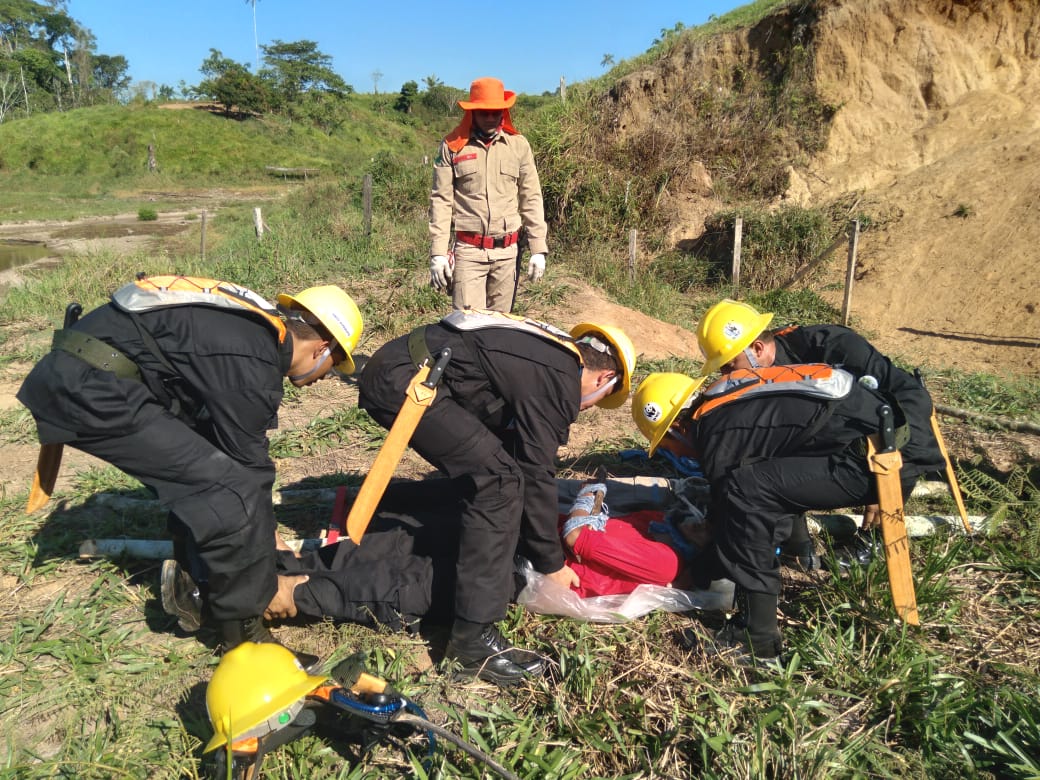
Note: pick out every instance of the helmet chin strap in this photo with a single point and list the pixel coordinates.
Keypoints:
(599, 393)
(751, 358)
(325, 355)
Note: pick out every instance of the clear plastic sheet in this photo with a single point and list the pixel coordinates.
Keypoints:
(544, 597)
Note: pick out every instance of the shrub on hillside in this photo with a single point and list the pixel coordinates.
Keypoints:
(774, 245)
(400, 188)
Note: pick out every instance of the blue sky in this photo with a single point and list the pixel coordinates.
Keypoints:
(528, 44)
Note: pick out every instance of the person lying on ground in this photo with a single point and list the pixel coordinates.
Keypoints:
(403, 573)
(614, 555)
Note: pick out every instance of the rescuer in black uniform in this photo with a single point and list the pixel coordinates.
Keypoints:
(772, 446)
(733, 335)
(505, 404)
(176, 382)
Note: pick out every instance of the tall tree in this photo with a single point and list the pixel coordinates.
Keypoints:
(409, 91)
(297, 67)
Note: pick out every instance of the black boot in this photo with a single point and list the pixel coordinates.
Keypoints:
(181, 597)
(235, 632)
(483, 652)
(798, 551)
(860, 549)
(753, 630)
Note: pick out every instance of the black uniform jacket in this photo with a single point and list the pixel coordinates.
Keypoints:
(527, 390)
(779, 425)
(230, 364)
(840, 346)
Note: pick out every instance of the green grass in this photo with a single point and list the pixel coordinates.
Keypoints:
(105, 154)
(110, 690)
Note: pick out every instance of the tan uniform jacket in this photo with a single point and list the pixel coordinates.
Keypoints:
(490, 191)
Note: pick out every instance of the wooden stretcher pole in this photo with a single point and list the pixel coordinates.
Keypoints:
(951, 475)
(885, 462)
(418, 397)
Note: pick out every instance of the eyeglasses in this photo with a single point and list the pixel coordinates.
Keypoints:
(596, 344)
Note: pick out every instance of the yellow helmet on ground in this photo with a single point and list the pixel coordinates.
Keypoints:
(622, 348)
(657, 402)
(255, 688)
(726, 330)
(335, 312)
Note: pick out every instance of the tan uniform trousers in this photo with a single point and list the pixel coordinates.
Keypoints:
(484, 278)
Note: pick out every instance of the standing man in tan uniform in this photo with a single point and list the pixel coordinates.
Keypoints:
(486, 188)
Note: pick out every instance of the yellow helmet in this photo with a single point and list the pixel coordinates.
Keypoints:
(623, 350)
(726, 330)
(336, 312)
(657, 402)
(255, 688)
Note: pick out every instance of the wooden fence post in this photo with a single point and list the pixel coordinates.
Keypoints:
(366, 200)
(202, 240)
(563, 90)
(152, 164)
(632, 255)
(258, 223)
(738, 233)
(850, 271)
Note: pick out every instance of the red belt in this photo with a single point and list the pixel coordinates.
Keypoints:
(488, 242)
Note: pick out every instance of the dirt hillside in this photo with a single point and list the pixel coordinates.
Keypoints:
(937, 140)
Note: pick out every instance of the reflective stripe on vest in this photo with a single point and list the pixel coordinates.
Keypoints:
(816, 380)
(158, 292)
(480, 319)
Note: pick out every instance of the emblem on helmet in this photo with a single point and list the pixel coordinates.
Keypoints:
(652, 412)
(732, 330)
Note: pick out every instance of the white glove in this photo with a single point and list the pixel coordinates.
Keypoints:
(536, 267)
(440, 272)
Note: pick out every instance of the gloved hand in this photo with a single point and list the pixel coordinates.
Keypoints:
(441, 269)
(536, 267)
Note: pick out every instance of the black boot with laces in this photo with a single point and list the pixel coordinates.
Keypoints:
(483, 652)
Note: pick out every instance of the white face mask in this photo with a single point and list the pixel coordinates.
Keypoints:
(326, 354)
(598, 394)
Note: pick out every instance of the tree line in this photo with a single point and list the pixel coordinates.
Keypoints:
(49, 62)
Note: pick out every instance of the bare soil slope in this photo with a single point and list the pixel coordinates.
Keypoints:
(937, 137)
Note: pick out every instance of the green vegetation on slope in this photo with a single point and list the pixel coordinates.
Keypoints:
(111, 142)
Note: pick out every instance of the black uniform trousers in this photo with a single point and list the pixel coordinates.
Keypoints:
(458, 443)
(759, 501)
(403, 570)
(225, 506)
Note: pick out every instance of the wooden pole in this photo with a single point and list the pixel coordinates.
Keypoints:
(563, 90)
(366, 199)
(258, 223)
(850, 271)
(202, 240)
(738, 233)
(152, 164)
(632, 236)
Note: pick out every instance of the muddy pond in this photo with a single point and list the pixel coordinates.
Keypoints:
(14, 253)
